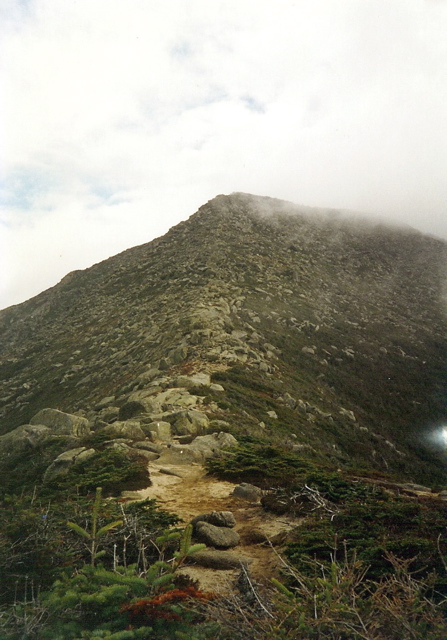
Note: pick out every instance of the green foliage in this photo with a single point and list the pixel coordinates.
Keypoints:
(21, 472)
(109, 469)
(95, 533)
(373, 526)
(258, 462)
(94, 602)
(36, 545)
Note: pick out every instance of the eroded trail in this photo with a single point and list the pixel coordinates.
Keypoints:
(188, 491)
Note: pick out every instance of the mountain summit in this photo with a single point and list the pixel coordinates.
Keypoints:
(324, 330)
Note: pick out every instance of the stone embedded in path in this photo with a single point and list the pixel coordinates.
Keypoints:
(217, 518)
(219, 560)
(219, 537)
(247, 492)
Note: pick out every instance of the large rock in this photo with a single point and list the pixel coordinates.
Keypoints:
(190, 422)
(147, 401)
(124, 429)
(62, 423)
(22, 439)
(181, 454)
(247, 492)
(213, 444)
(149, 446)
(61, 465)
(219, 560)
(196, 380)
(159, 430)
(219, 537)
(217, 518)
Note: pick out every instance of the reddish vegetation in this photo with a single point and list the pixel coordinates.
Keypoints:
(159, 606)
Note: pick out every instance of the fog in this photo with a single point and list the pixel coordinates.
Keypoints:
(120, 119)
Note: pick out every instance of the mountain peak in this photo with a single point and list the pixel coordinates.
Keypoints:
(340, 322)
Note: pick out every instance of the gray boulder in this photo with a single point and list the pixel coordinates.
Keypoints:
(217, 518)
(180, 454)
(62, 423)
(22, 439)
(196, 380)
(212, 444)
(219, 560)
(149, 446)
(124, 429)
(247, 492)
(219, 537)
(190, 422)
(63, 462)
(159, 430)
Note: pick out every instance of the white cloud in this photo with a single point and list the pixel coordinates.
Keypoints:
(121, 118)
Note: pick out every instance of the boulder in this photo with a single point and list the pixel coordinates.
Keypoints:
(63, 462)
(289, 401)
(190, 422)
(212, 444)
(149, 446)
(22, 439)
(217, 518)
(149, 455)
(247, 492)
(195, 380)
(216, 387)
(180, 454)
(159, 430)
(219, 537)
(62, 423)
(132, 409)
(108, 414)
(219, 560)
(124, 429)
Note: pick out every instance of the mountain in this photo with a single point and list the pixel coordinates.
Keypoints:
(323, 330)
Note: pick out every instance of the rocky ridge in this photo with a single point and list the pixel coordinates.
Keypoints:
(338, 327)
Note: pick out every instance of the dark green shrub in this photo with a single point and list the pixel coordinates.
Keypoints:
(109, 469)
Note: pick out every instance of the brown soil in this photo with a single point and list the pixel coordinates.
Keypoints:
(195, 492)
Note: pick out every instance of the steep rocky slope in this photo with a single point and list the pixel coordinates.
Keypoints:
(323, 331)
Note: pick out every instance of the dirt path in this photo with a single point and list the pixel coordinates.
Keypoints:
(187, 491)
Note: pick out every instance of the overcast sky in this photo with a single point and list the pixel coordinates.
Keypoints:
(119, 118)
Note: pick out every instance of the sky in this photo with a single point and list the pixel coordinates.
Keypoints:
(120, 118)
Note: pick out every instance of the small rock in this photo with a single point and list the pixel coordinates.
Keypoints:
(105, 402)
(216, 387)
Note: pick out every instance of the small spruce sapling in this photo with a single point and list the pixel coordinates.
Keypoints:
(95, 533)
